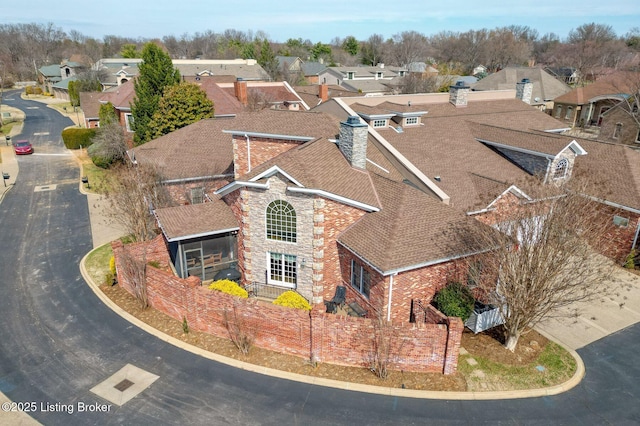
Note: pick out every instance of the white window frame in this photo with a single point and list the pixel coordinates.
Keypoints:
(360, 279)
(568, 115)
(411, 121)
(282, 223)
(128, 119)
(378, 123)
(285, 273)
(560, 169)
(617, 131)
(351, 75)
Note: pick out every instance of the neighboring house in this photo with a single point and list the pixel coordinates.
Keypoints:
(312, 70)
(480, 69)
(621, 123)
(545, 87)
(314, 95)
(567, 75)
(90, 105)
(121, 70)
(586, 105)
(363, 79)
(52, 75)
(289, 64)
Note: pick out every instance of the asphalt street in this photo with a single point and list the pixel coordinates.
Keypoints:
(58, 340)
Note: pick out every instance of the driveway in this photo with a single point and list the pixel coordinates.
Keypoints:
(616, 308)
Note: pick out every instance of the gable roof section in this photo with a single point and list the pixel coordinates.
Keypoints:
(411, 230)
(90, 104)
(283, 123)
(196, 220)
(615, 85)
(545, 86)
(198, 150)
(332, 177)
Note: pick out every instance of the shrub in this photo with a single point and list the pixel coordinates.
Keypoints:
(455, 300)
(291, 299)
(630, 261)
(229, 287)
(112, 265)
(75, 138)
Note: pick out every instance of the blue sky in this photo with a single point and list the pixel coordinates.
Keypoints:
(319, 21)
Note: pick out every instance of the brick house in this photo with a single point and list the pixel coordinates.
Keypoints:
(620, 124)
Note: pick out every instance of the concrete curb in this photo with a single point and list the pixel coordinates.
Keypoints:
(378, 390)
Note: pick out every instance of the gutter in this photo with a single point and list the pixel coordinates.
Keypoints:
(269, 135)
(194, 179)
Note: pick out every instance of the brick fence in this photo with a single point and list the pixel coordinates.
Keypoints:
(315, 335)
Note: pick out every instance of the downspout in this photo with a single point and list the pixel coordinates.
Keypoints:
(390, 296)
(248, 153)
(546, 176)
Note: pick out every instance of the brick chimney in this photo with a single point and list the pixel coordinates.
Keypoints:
(524, 89)
(458, 94)
(323, 92)
(353, 141)
(240, 88)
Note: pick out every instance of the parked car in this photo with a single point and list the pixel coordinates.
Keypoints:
(22, 147)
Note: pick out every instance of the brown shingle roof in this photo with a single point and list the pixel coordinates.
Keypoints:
(332, 174)
(196, 220)
(614, 84)
(90, 104)
(411, 229)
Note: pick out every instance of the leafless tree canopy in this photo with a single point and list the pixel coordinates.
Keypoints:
(134, 191)
(542, 258)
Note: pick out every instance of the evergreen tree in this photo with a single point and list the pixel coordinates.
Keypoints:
(267, 58)
(107, 114)
(180, 105)
(156, 73)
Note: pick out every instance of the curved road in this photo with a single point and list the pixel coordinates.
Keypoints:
(57, 340)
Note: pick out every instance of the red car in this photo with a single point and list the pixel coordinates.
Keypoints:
(22, 147)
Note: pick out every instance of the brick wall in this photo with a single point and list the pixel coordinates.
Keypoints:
(311, 335)
(181, 192)
(260, 150)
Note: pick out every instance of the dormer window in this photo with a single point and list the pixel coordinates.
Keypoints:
(379, 75)
(351, 75)
(379, 123)
(411, 121)
(561, 168)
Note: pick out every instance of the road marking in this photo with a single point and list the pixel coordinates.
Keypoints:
(41, 134)
(33, 107)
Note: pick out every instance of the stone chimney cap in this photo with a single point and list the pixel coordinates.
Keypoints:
(460, 84)
(354, 121)
(526, 80)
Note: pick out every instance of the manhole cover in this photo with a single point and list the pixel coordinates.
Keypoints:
(124, 385)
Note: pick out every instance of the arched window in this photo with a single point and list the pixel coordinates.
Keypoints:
(561, 169)
(281, 221)
(569, 114)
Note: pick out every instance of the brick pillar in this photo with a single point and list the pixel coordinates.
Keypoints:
(323, 92)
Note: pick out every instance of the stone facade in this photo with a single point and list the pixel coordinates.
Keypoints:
(458, 94)
(619, 126)
(256, 205)
(524, 90)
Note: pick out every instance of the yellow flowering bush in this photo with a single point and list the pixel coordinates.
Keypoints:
(229, 287)
(112, 265)
(291, 299)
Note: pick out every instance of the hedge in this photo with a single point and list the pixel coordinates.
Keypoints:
(75, 138)
(291, 299)
(229, 287)
(455, 300)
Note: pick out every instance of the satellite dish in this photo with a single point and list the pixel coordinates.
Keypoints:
(537, 99)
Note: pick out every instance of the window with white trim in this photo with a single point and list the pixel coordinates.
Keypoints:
(360, 278)
(558, 111)
(569, 114)
(281, 222)
(378, 123)
(410, 121)
(351, 75)
(617, 131)
(560, 170)
(283, 269)
(128, 119)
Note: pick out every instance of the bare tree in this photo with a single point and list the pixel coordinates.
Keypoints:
(419, 83)
(258, 100)
(135, 270)
(543, 257)
(134, 191)
(109, 146)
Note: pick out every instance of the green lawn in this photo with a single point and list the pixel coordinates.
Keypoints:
(97, 263)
